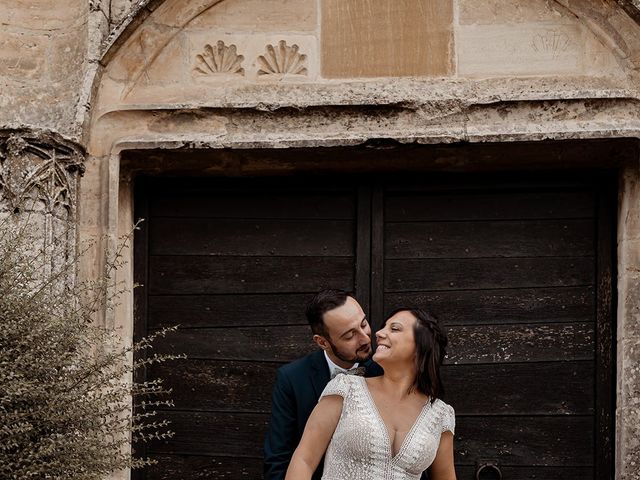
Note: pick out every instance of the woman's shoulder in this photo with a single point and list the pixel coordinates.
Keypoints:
(446, 415)
(341, 385)
(442, 405)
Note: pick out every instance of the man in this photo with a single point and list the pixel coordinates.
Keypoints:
(341, 329)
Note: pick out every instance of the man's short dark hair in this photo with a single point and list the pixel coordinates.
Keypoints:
(321, 303)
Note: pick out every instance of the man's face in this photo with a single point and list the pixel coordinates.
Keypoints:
(348, 334)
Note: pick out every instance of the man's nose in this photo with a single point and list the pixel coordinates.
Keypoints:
(365, 334)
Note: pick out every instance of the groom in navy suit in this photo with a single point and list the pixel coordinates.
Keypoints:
(341, 329)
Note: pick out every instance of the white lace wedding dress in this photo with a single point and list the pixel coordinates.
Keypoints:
(360, 448)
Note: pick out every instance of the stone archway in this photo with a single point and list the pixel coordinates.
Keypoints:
(148, 97)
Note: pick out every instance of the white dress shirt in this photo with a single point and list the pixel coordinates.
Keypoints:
(335, 369)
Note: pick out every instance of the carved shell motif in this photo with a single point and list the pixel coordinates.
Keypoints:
(219, 59)
(551, 42)
(282, 59)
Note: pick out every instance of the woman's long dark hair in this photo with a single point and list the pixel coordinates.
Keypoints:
(431, 348)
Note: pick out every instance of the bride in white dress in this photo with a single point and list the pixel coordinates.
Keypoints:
(391, 427)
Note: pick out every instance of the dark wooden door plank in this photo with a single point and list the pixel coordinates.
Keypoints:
(519, 305)
(521, 343)
(211, 275)
(486, 273)
(268, 343)
(464, 472)
(251, 204)
(219, 237)
(214, 433)
(240, 310)
(488, 205)
(534, 238)
(525, 440)
(505, 389)
(197, 467)
(517, 440)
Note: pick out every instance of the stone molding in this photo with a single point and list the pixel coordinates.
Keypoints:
(42, 167)
(257, 123)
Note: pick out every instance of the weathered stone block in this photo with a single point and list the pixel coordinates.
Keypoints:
(386, 38)
(629, 221)
(626, 34)
(531, 49)
(171, 65)
(142, 49)
(178, 14)
(488, 12)
(65, 57)
(43, 14)
(261, 16)
(629, 363)
(22, 55)
(629, 305)
(628, 410)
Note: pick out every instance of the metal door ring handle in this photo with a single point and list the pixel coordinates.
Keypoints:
(488, 468)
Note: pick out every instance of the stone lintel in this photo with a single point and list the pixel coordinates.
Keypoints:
(438, 121)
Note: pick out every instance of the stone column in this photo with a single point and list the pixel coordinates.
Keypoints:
(628, 344)
(39, 182)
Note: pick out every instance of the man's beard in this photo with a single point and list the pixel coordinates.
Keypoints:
(361, 355)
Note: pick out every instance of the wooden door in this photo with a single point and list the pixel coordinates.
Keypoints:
(518, 271)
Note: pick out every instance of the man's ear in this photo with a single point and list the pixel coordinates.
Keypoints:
(321, 342)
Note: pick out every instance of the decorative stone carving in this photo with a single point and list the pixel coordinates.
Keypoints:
(282, 59)
(221, 59)
(39, 179)
(551, 42)
(39, 168)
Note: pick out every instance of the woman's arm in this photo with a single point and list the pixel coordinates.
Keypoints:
(315, 439)
(442, 467)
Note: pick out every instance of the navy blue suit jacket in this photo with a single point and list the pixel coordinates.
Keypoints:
(296, 392)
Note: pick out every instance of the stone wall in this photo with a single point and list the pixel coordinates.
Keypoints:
(42, 61)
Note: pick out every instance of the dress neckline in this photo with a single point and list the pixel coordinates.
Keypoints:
(383, 425)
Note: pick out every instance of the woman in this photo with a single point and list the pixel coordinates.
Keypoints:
(390, 427)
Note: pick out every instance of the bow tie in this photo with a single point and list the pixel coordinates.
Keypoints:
(359, 371)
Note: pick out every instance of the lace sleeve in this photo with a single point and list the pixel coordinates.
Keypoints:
(449, 419)
(340, 385)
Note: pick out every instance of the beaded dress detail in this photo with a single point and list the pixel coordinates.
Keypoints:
(360, 448)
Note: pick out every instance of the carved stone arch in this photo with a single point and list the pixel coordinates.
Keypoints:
(144, 39)
(143, 9)
(133, 32)
(632, 7)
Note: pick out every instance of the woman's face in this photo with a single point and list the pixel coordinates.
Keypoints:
(396, 342)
